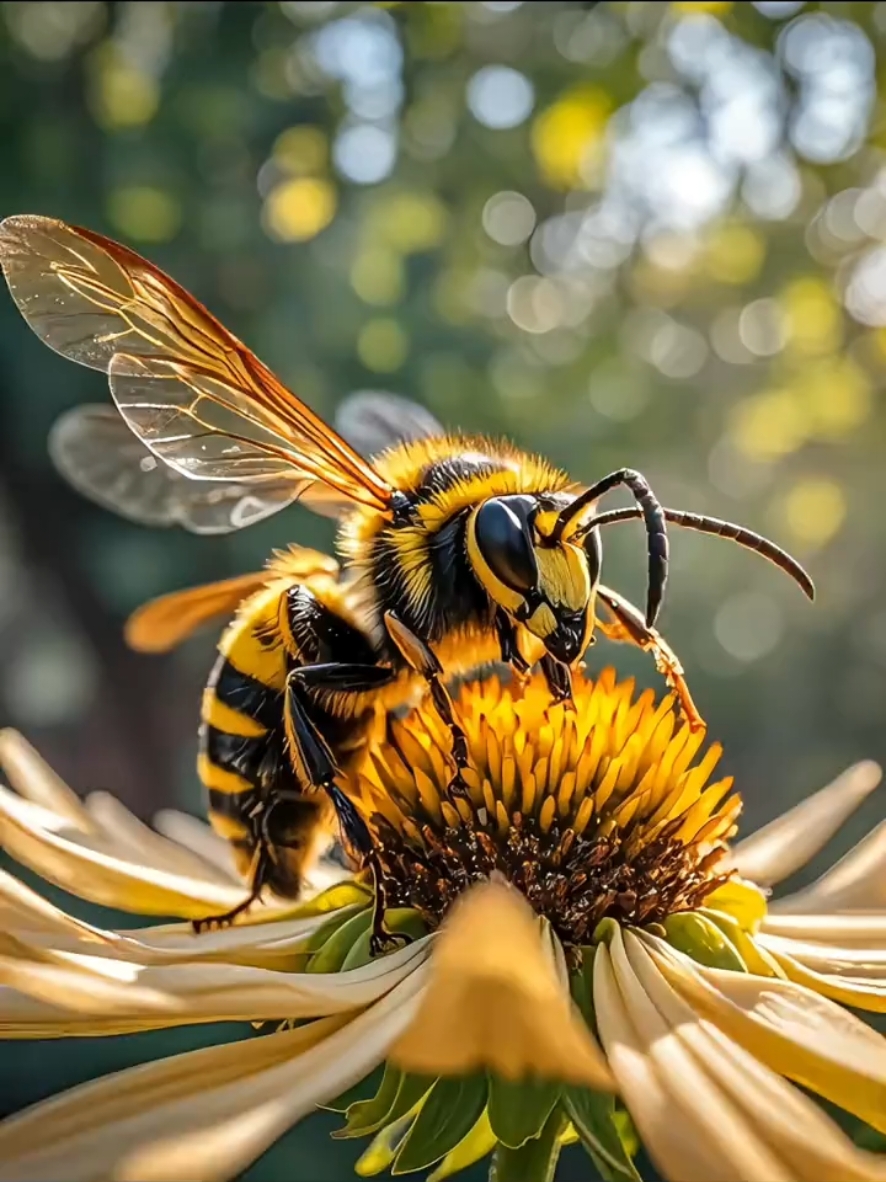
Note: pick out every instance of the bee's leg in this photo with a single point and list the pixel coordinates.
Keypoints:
(419, 656)
(559, 679)
(259, 873)
(510, 652)
(628, 625)
(318, 765)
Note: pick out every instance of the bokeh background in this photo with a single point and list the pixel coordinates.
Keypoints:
(641, 234)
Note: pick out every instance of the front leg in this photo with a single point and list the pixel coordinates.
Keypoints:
(559, 679)
(628, 625)
(419, 657)
(507, 639)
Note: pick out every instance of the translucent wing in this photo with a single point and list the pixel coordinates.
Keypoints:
(100, 456)
(194, 394)
(372, 421)
(165, 622)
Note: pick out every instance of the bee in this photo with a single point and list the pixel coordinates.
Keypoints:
(456, 551)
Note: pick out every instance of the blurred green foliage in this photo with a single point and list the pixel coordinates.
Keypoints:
(623, 233)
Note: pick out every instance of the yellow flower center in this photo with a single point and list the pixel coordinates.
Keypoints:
(601, 811)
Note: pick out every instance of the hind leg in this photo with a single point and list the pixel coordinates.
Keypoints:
(318, 766)
(258, 877)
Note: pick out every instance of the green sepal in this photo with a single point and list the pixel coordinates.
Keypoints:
(366, 1116)
(447, 1116)
(593, 1115)
(478, 1144)
(331, 957)
(398, 919)
(703, 941)
(410, 1090)
(334, 898)
(581, 987)
(329, 927)
(384, 1148)
(360, 1092)
(536, 1161)
(518, 1111)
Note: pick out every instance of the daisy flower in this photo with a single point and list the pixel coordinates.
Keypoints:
(590, 959)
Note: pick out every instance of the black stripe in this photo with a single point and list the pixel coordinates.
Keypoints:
(441, 475)
(232, 804)
(236, 753)
(246, 694)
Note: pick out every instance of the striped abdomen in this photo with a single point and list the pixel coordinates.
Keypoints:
(253, 793)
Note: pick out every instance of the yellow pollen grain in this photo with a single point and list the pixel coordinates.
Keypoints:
(689, 750)
(607, 787)
(489, 800)
(565, 794)
(527, 802)
(411, 830)
(508, 781)
(541, 773)
(465, 811)
(493, 755)
(584, 814)
(428, 795)
(450, 815)
(503, 818)
(698, 776)
(547, 814)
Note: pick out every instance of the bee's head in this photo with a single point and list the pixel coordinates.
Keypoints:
(534, 572)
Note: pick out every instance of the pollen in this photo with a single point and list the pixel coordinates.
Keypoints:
(599, 809)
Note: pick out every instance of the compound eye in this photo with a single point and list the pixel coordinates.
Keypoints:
(593, 547)
(505, 544)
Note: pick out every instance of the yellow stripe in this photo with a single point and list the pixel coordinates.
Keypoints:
(219, 779)
(225, 718)
(227, 827)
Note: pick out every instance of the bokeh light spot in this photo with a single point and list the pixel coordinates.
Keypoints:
(121, 95)
(566, 133)
(749, 625)
(500, 97)
(814, 510)
(382, 345)
(297, 210)
(377, 276)
(365, 154)
(735, 254)
(301, 151)
(508, 218)
(144, 213)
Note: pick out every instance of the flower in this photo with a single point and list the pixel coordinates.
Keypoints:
(589, 961)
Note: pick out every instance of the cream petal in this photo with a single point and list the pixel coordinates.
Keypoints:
(679, 1156)
(784, 845)
(132, 839)
(495, 1001)
(856, 883)
(35, 780)
(694, 1098)
(808, 1143)
(206, 993)
(39, 924)
(828, 958)
(27, 835)
(866, 930)
(862, 993)
(791, 1029)
(200, 1119)
(198, 837)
